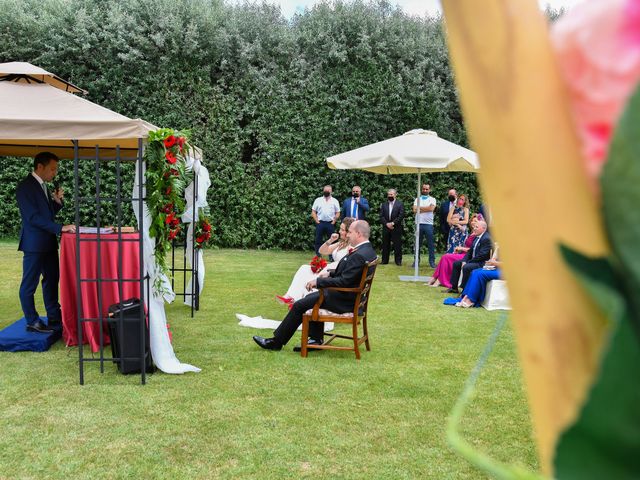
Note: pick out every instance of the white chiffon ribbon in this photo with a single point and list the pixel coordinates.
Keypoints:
(161, 348)
(191, 214)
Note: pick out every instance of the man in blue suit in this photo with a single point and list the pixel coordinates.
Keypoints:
(39, 241)
(355, 206)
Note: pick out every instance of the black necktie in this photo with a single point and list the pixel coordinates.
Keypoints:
(475, 244)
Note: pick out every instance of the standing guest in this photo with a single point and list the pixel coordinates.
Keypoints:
(445, 206)
(477, 255)
(391, 216)
(458, 219)
(39, 241)
(325, 212)
(427, 206)
(346, 275)
(355, 206)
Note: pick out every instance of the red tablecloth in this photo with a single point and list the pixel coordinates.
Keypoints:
(89, 270)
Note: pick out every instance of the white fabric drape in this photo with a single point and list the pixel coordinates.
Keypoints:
(260, 323)
(161, 348)
(192, 213)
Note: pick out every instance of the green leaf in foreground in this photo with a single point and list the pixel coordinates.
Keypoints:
(621, 196)
(604, 442)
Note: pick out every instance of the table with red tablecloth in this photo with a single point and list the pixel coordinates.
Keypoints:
(89, 270)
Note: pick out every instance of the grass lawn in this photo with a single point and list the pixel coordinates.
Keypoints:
(259, 414)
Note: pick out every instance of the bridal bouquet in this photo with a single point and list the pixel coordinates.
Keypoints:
(317, 263)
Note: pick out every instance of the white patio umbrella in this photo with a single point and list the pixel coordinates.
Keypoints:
(417, 151)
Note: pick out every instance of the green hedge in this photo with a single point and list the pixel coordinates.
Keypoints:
(267, 99)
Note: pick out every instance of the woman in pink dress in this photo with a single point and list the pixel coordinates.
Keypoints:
(442, 273)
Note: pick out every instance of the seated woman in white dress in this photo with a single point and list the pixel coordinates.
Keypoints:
(337, 246)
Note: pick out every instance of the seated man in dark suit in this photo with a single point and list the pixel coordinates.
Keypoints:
(479, 253)
(347, 274)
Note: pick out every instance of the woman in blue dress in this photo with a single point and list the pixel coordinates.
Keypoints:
(476, 289)
(458, 218)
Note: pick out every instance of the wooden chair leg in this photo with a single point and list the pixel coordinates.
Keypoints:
(366, 333)
(305, 336)
(356, 348)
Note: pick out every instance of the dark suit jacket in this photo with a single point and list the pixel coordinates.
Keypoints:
(483, 250)
(39, 230)
(397, 215)
(444, 213)
(363, 208)
(347, 274)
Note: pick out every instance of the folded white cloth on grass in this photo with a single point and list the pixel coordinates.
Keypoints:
(259, 322)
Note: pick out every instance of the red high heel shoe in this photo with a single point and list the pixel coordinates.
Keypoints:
(284, 300)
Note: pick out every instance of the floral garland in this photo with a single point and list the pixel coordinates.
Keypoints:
(202, 231)
(166, 179)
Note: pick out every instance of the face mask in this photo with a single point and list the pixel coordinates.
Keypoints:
(391, 199)
(452, 198)
(355, 194)
(326, 194)
(461, 203)
(425, 194)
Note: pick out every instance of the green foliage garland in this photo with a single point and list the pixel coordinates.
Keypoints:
(165, 180)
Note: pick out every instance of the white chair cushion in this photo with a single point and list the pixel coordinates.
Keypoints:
(326, 313)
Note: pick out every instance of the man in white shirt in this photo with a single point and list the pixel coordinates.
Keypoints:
(425, 218)
(325, 212)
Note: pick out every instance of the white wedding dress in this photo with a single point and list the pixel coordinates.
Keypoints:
(297, 289)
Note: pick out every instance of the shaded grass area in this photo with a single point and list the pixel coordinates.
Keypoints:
(259, 414)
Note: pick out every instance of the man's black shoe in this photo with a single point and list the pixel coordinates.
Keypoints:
(452, 290)
(39, 327)
(311, 341)
(267, 343)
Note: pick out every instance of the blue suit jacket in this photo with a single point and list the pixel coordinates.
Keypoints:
(39, 232)
(363, 208)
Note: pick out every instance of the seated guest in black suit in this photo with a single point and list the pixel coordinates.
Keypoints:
(347, 274)
(475, 257)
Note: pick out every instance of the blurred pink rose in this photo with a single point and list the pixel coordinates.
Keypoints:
(598, 47)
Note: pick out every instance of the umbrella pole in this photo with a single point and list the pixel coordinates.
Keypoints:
(416, 257)
(416, 276)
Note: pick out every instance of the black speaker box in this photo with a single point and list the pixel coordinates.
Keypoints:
(127, 347)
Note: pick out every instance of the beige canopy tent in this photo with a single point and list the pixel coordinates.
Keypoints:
(37, 117)
(39, 112)
(26, 73)
(417, 151)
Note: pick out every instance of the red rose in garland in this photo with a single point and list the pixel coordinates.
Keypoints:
(170, 141)
(171, 158)
(202, 231)
(173, 233)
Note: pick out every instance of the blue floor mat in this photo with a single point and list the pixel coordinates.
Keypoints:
(16, 338)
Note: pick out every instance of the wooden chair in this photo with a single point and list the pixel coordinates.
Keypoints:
(356, 317)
